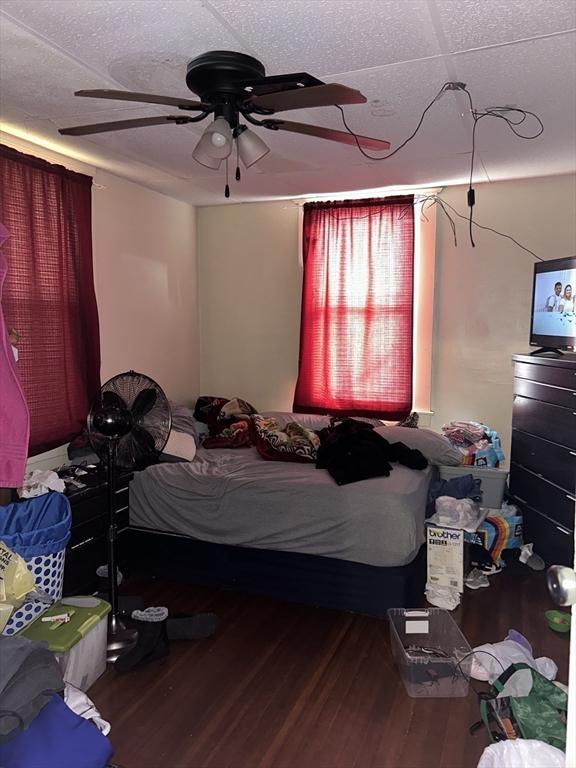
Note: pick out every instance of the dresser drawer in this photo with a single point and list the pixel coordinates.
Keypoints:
(546, 393)
(93, 529)
(539, 494)
(122, 496)
(552, 422)
(553, 542)
(87, 509)
(122, 519)
(552, 462)
(547, 374)
(81, 563)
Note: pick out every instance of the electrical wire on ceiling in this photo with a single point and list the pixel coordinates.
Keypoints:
(427, 201)
(430, 200)
(512, 116)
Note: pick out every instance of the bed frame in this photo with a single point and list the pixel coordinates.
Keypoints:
(291, 576)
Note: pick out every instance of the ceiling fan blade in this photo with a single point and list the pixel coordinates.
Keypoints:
(304, 98)
(148, 98)
(122, 125)
(327, 133)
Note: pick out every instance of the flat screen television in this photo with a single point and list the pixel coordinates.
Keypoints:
(553, 326)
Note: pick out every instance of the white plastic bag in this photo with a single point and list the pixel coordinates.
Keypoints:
(442, 597)
(79, 702)
(522, 753)
(490, 660)
(40, 481)
(458, 513)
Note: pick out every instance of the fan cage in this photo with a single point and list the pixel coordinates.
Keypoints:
(150, 430)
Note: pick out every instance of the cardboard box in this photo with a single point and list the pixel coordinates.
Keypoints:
(445, 557)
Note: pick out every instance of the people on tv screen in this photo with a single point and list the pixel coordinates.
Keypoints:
(559, 301)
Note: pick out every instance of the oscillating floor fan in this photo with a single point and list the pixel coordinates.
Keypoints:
(128, 426)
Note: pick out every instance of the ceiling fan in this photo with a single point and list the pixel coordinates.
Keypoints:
(234, 88)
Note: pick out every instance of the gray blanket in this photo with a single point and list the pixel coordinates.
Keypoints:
(29, 676)
(235, 497)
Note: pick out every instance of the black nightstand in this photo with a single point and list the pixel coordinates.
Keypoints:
(87, 548)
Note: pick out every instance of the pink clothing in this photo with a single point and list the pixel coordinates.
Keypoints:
(14, 417)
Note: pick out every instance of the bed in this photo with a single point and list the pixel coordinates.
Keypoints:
(233, 520)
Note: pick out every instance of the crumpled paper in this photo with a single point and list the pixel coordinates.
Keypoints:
(40, 481)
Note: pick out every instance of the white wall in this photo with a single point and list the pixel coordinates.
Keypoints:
(146, 285)
(483, 294)
(144, 247)
(250, 280)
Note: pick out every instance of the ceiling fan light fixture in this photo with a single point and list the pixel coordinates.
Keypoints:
(215, 144)
(202, 156)
(251, 147)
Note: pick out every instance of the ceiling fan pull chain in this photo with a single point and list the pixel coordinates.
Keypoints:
(226, 188)
(237, 162)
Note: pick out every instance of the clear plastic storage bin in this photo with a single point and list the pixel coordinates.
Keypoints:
(79, 645)
(493, 481)
(430, 651)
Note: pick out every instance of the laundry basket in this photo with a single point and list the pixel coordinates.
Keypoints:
(38, 530)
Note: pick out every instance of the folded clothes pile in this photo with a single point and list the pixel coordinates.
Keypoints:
(479, 444)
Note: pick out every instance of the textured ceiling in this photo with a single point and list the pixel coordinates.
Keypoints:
(397, 52)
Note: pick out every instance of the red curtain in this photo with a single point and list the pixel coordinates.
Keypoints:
(49, 293)
(357, 307)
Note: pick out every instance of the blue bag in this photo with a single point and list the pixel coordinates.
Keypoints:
(57, 738)
(38, 530)
(38, 526)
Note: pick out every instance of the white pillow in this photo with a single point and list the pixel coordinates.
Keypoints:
(180, 445)
(436, 447)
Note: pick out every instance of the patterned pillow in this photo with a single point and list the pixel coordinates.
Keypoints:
(289, 442)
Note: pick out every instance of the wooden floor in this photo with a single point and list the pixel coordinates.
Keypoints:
(284, 686)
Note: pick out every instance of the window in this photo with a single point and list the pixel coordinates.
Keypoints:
(357, 308)
(49, 293)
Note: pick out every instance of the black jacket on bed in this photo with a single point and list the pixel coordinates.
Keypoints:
(353, 451)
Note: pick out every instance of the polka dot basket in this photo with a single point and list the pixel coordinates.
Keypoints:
(48, 572)
(38, 530)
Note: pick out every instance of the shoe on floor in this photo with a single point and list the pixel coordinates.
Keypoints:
(152, 642)
(476, 579)
(490, 570)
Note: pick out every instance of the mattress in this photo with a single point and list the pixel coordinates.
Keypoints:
(235, 497)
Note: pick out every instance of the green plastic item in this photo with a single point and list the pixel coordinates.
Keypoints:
(63, 637)
(559, 621)
(539, 715)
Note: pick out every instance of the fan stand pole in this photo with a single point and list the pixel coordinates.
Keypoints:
(120, 638)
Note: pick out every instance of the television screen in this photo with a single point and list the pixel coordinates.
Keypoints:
(553, 306)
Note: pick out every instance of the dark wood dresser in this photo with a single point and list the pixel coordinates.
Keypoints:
(543, 461)
(87, 548)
